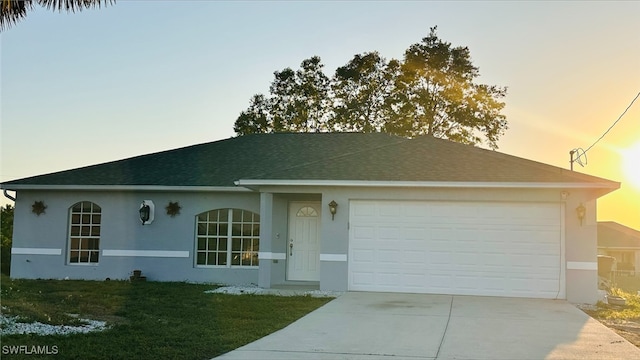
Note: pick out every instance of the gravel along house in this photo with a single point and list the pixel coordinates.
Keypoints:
(336, 211)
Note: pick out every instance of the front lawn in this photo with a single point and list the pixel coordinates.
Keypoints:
(147, 320)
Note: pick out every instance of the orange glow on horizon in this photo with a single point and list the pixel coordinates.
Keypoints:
(631, 165)
(622, 205)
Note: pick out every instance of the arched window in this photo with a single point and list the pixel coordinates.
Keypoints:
(307, 211)
(84, 233)
(227, 237)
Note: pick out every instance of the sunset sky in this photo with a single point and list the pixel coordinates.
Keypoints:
(144, 76)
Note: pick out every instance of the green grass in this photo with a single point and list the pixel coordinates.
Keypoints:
(149, 320)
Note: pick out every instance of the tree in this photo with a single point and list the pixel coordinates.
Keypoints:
(6, 235)
(361, 89)
(435, 95)
(313, 95)
(256, 119)
(432, 91)
(13, 11)
(300, 101)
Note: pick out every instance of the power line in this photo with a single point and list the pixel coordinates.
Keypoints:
(580, 152)
(614, 123)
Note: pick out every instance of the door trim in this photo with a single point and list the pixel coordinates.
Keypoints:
(295, 206)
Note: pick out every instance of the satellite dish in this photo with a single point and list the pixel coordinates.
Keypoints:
(579, 156)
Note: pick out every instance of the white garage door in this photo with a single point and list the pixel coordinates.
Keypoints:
(465, 248)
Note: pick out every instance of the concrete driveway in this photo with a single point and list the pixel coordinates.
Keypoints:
(361, 325)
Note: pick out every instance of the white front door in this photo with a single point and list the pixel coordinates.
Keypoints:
(303, 248)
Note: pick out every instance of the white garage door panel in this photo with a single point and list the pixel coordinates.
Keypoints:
(501, 249)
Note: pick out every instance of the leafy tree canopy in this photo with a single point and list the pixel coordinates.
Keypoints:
(6, 235)
(6, 219)
(431, 91)
(12, 11)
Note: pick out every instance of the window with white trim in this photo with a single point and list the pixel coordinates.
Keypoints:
(227, 237)
(84, 233)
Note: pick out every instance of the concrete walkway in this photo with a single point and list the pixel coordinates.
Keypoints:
(412, 326)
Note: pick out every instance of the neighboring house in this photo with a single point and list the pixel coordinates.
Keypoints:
(423, 215)
(622, 243)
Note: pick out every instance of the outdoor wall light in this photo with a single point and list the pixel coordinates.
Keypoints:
(581, 211)
(333, 208)
(146, 212)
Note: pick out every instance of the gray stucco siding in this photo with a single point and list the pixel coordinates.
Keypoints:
(121, 230)
(578, 240)
(164, 250)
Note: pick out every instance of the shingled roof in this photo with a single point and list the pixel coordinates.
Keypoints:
(314, 156)
(613, 235)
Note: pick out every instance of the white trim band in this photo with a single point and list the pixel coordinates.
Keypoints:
(146, 253)
(333, 257)
(35, 251)
(263, 255)
(431, 184)
(582, 265)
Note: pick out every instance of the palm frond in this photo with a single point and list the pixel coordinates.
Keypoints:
(73, 5)
(12, 11)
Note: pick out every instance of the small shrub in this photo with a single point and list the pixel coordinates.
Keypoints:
(6, 234)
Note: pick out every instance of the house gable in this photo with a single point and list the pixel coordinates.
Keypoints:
(612, 235)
